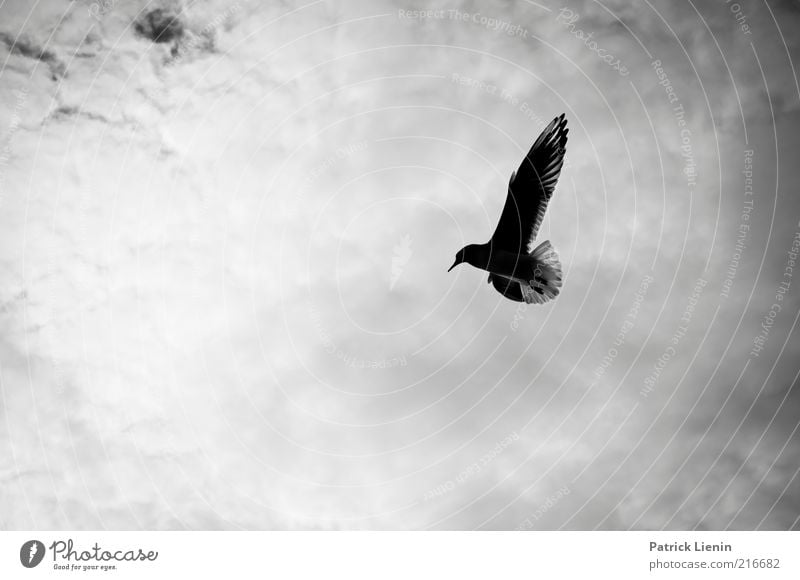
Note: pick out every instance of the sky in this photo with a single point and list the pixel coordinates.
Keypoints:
(225, 229)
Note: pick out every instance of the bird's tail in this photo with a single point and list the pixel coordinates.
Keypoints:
(546, 283)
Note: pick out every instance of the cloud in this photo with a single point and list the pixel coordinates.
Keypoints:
(203, 321)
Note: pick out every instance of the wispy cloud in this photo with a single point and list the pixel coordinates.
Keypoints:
(224, 294)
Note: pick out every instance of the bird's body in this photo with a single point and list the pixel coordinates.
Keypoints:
(516, 269)
(502, 265)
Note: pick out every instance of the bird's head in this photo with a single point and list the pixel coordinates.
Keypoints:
(470, 254)
(458, 260)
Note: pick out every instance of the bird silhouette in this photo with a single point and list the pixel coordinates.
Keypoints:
(516, 270)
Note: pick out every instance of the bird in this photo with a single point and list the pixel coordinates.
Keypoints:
(516, 269)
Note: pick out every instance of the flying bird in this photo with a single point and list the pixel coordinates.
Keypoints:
(516, 269)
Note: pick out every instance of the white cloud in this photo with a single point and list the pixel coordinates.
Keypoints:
(197, 242)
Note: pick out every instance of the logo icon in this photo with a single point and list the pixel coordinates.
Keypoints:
(31, 553)
(402, 254)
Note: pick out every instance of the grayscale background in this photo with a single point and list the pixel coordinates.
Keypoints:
(223, 266)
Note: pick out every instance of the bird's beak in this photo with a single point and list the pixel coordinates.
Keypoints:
(453, 266)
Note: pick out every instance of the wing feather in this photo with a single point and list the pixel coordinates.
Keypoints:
(530, 189)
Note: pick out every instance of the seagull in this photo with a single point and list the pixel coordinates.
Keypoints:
(518, 272)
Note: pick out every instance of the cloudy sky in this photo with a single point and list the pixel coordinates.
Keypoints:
(224, 235)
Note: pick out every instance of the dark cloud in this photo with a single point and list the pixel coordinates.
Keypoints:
(159, 25)
(25, 47)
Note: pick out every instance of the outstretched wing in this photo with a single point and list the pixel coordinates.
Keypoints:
(530, 189)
